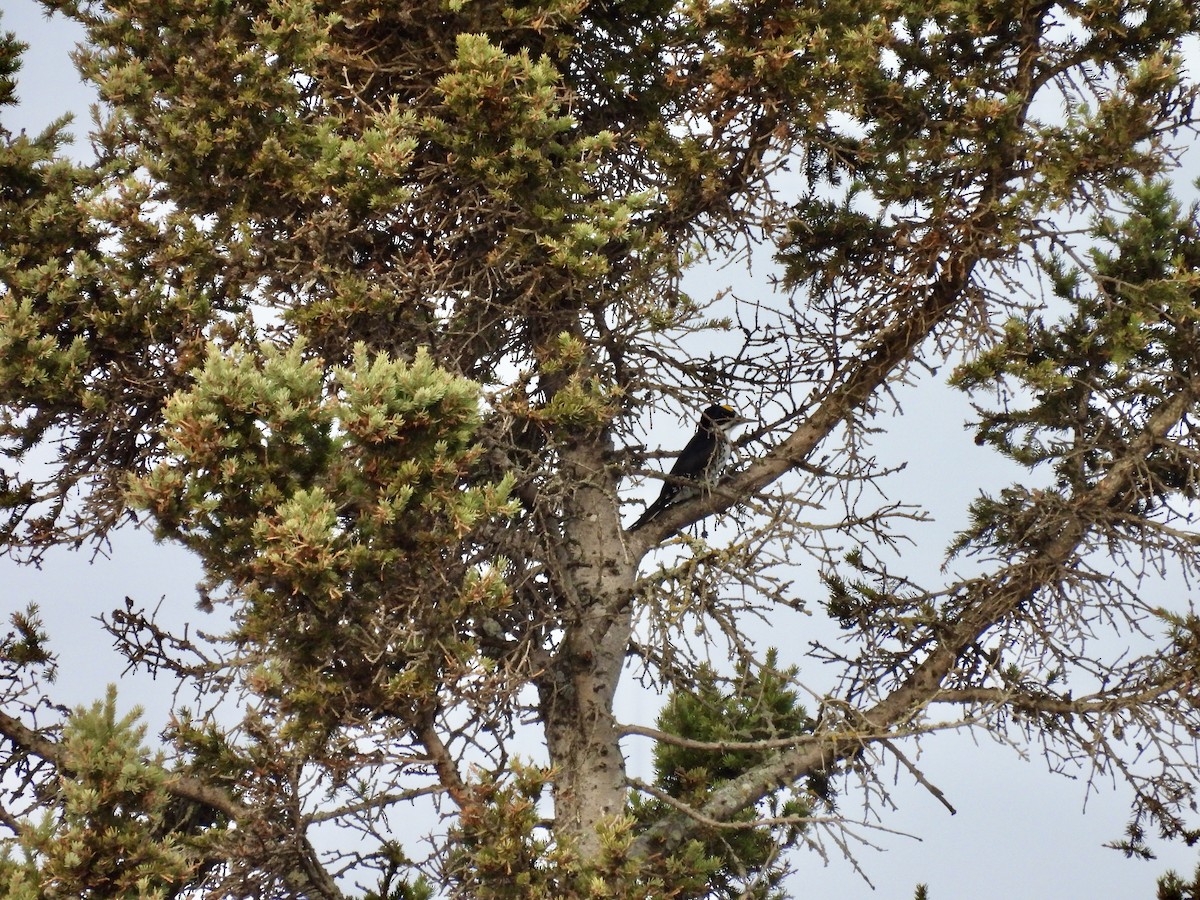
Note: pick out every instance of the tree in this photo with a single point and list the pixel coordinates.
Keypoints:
(368, 305)
(1172, 887)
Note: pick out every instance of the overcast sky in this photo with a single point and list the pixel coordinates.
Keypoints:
(1019, 831)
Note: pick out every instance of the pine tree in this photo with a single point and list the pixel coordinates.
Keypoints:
(1172, 887)
(368, 305)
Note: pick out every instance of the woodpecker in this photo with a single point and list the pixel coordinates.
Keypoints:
(701, 461)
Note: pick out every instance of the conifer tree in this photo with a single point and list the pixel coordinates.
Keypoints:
(369, 306)
(1172, 887)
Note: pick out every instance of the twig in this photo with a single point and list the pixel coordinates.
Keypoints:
(917, 774)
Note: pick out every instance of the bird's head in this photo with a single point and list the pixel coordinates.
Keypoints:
(722, 417)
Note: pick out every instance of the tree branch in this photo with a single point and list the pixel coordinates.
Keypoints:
(997, 597)
(181, 786)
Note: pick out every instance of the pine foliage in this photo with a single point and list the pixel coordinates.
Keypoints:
(370, 306)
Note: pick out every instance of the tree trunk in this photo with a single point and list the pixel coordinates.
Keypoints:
(578, 688)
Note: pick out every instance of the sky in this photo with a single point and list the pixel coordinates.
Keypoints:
(1019, 831)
